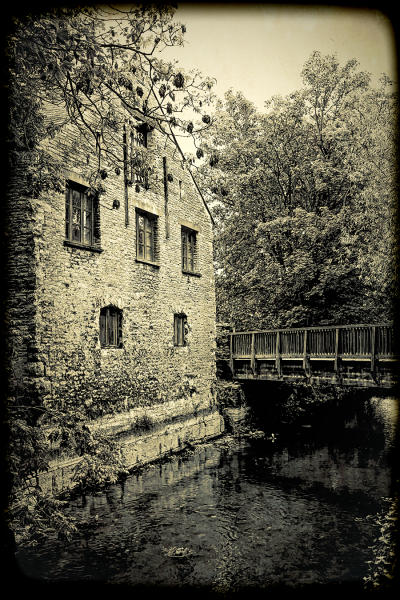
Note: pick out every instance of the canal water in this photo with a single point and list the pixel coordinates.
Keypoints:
(256, 509)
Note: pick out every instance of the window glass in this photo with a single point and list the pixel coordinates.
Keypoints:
(79, 215)
(189, 249)
(139, 135)
(146, 227)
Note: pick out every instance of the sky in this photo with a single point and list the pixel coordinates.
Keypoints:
(260, 49)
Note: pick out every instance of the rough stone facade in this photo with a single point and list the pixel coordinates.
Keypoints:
(56, 292)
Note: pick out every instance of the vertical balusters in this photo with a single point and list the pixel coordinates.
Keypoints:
(345, 341)
(342, 342)
(271, 346)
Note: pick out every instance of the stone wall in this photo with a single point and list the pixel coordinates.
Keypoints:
(20, 321)
(167, 434)
(57, 291)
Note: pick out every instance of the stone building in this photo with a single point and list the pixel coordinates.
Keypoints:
(111, 296)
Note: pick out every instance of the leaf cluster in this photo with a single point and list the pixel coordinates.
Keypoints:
(95, 68)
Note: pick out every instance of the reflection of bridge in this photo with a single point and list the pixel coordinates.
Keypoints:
(351, 355)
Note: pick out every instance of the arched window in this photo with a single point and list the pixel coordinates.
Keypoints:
(111, 327)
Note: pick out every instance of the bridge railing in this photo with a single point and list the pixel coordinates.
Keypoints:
(344, 342)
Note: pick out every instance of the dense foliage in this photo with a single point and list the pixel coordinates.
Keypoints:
(305, 197)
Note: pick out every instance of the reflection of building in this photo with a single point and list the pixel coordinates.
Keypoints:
(112, 302)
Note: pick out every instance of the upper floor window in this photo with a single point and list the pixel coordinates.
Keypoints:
(146, 236)
(111, 327)
(139, 135)
(139, 173)
(81, 215)
(140, 176)
(189, 250)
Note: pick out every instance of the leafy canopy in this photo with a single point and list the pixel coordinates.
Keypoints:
(95, 67)
(304, 196)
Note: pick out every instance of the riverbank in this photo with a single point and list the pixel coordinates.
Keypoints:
(239, 512)
(143, 435)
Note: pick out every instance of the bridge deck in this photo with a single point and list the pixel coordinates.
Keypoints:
(360, 355)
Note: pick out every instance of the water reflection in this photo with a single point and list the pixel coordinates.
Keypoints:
(243, 512)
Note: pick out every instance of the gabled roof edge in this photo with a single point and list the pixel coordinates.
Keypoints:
(191, 174)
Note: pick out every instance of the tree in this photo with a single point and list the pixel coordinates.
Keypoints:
(97, 66)
(304, 195)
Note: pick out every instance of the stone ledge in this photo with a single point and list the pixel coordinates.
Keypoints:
(141, 449)
(70, 244)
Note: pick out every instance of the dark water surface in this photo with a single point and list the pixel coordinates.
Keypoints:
(254, 511)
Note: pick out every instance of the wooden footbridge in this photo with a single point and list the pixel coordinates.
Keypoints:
(350, 355)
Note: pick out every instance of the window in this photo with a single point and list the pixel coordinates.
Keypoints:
(81, 215)
(111, 327)
(188, 250)
(180, 330)
(139, 173)
(139, 135)
(146, 236)
(140, 176)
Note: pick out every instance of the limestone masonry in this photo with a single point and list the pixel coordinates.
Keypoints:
(111, 298)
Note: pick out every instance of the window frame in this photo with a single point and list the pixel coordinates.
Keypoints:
(140, 135)
(110, 326)
(180, 331)
(150, 228)
(139, 139)
(85, 204)
(189, 240)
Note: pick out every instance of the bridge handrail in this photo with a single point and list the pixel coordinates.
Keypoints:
(362, 340)
(315, 327)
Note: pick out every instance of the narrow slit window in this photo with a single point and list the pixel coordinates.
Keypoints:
(180, 329)
(139, 174)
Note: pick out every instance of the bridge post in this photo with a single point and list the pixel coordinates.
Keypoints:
(373, 349)
(306, 362)
(253, 354)
(231, 361)
(278, 359)
(337, 357)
